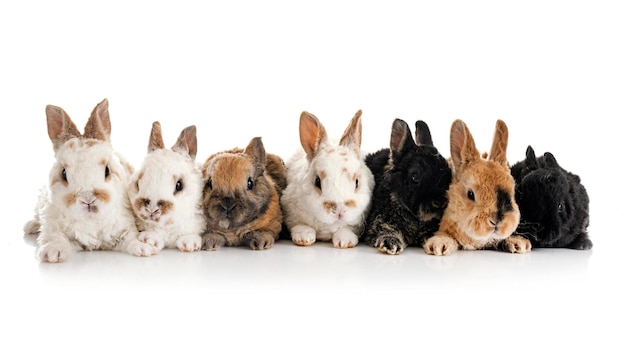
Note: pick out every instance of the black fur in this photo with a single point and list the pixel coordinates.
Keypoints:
(553, 203)
(409, 196)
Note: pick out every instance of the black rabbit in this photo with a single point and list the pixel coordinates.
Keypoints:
(409, 197)
(554, 205)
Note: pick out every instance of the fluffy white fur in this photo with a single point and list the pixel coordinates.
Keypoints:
(86, 207)
(180, 223)
(335, 211)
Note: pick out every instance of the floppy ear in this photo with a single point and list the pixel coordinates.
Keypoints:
(312, 134)
(422, 133)
(351, 137)
(531, 160)
(156, 137)
(256, 151)
(60, 126)
(462, 147)
(400, 137)
(99, 124)
(500, 142)
(187, 142)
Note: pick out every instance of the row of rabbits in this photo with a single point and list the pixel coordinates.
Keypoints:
(404, 195)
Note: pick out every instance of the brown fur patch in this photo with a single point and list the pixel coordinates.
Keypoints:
(91, 142)
(102, 195)
(329, 206)
(70, 199)
(71, 145)
(139, 203)
(350, 203)
(165, 206)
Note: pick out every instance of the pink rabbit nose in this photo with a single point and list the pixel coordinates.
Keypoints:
(87, 199)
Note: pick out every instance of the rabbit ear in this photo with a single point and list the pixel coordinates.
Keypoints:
(60, 126)
(400, 137)
(550, 160)
(256, 151)
(531, 160)
(99, 124)
(351, 137)
(156, 138)
(462, 147)
(187, 142)
(312, 134)
(422, 133)
(500, 141)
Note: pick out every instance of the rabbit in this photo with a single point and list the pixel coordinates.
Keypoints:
(553, 203)
(329, 186)
(411, 181)
(85, 205)
(482, 212)
(241, 197)
(166, 193)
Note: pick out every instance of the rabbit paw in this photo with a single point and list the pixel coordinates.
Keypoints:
(152, 238)
(391, 244)
(517, 244)
(303, 235)
(582, 244)
(213, 241)
(189, 243)
(54, 252)
(31, 227)
(259, 240)
(139, 248)
(440, 245)
(345, 238)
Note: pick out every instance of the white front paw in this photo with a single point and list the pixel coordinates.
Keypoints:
(152, 238)
(54, 252)
(303, 235)
(138, 248)
(344, 238)
(189, 243)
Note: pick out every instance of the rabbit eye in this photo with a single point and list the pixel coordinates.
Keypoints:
(179, 186)
(318, 182)
(209, 183)
(561, 207)
(64, 175)
(470, 195)
(106, 172)
(415, 178)
(250, 183)
(356, 186)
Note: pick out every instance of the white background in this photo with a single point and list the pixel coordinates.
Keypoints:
(554, 71)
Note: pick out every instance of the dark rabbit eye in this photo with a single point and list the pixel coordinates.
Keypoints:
(318, 182)
(470, 195)
(250, 183)
(356, 186)
(64, 175)
(415, 178)
(106, 172)
(561, 207)
(179, 186)
(209, 183)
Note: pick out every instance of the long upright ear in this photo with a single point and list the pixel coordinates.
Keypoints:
(500, 142)
(462, 147)
(99, 124)
(351, 137)
(156, 137)
(400, 137)
(550, 160)
(60, 126)
(312, 134)
(531, 159)
(187, 142)
(256, 151)
(422, 133)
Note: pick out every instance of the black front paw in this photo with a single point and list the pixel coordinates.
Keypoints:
(582, 244)
(392, 245)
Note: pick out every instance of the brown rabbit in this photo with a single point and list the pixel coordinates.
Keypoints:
(481, 212)
(241, 198)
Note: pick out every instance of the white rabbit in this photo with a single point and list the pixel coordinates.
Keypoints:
(166, 193)
(329, 187)
(85, 206)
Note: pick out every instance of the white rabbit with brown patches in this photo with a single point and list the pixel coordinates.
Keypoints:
(482, 212)
(329, 187)
(166, 193)
(85, 206)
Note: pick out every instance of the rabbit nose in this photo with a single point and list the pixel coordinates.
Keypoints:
(227, 204)
(87, 198)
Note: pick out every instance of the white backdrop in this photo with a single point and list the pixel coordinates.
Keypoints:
(554, 71)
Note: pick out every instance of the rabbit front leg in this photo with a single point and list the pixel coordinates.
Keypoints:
(441, 244)
(189, 243)
(54, 247)
(213, 241)
(153, 238)
(260, 239)
(303, 235)
(516, 244)
(132, 245)
(345, 238)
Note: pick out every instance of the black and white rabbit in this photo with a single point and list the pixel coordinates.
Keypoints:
(409, 195)
(554, 205)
